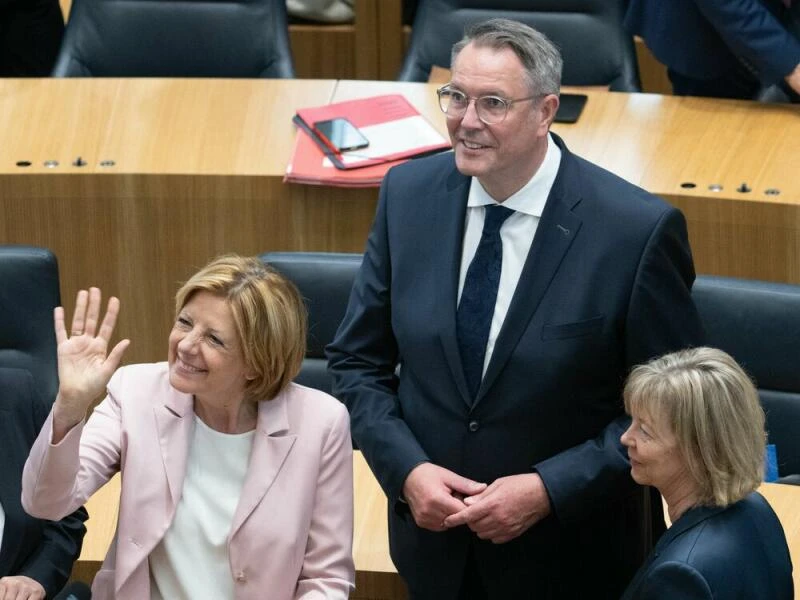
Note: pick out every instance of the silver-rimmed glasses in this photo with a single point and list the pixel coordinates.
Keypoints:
(490, 109)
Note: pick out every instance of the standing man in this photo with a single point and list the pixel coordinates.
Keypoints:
(727, 48)
(506, 290)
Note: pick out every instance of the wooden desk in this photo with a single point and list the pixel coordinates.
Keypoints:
(199, 166)
(198, 172)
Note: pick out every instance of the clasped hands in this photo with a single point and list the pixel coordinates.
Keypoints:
(84, 364)
(440, 499)
(20, 587)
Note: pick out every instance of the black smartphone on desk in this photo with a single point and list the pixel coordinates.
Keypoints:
(340, 135)
(570, 107)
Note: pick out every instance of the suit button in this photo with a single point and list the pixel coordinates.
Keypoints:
(241, 577)
(473, 426)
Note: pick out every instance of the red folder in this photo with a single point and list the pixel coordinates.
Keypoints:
(395, 129)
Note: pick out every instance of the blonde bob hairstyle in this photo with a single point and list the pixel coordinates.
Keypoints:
(268, 313)
(712, 407)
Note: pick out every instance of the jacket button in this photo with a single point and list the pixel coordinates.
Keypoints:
(473, 426)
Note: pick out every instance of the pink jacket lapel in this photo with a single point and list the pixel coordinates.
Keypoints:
(271, 446)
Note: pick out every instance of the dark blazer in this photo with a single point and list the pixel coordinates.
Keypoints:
(30, 36)
(707, 38)
(720, 553)
(41, 550)
(605, 286)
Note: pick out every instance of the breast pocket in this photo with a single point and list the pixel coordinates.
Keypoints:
(573, 329)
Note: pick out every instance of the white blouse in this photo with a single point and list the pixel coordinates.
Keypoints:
(191, 561)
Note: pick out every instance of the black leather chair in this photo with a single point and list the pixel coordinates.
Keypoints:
(176, 38)
(324, 280)
(758, 323)
(595, 47)
(28, 295)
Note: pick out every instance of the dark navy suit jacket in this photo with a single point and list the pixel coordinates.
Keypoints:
(728, 553)
(706, 38)
(606, 285)
(41, 550)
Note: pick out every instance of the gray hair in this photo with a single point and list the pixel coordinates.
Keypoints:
(712, 407)
(538, 55)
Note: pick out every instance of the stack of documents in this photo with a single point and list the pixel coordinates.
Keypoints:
(395, 129)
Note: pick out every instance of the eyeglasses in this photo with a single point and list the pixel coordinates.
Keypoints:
(490, 109)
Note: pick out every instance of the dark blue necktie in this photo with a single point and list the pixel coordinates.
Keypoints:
(478, 297)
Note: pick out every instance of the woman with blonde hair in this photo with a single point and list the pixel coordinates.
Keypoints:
(697, 435)
(236, 482)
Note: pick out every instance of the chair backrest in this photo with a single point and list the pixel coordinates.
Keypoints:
(176, 38)
(28, 295)
(758, 323)
(595, 47)
(324, 280)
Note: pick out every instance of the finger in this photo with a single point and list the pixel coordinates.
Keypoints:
(61, 334)
(93, 312)
(463, 486)
(79, 316)
(468, 515)
(485, 493)
(115, 356)
(110, 319)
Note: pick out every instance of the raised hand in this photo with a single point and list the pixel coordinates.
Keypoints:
(84, 363)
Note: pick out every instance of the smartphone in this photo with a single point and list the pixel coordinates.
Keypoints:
(340, 135)
(570, 107)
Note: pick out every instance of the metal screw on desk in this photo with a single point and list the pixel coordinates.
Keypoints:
(107, 163)
(79, 162)
(688, 185)
(23, 163)
(772, 192)
(51, 164)
(744, 188)
(715, 187)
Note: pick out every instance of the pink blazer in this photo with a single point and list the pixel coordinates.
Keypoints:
(292, 533)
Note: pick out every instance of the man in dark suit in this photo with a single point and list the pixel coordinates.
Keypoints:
(506, 290)
(720, 48)
(36, 556)
(30, 36)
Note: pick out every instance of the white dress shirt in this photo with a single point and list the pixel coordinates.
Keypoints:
(516, 233)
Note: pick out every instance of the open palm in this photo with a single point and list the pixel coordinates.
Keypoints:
(84, 363)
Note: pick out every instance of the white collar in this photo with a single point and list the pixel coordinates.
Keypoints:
(531, 198)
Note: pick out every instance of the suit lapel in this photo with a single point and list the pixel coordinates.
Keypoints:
(174, 422)
(271, 446)
(556, 232)
(447, 265)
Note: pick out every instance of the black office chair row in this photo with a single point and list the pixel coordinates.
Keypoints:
(757, 323)
(249, 38)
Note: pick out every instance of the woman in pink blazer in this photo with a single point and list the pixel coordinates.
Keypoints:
(236, 482)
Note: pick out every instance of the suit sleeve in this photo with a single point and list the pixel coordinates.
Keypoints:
(51, 562)
(328, 571)
(661, 318)
(753, 33)
(674, 581)
(362, 361)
